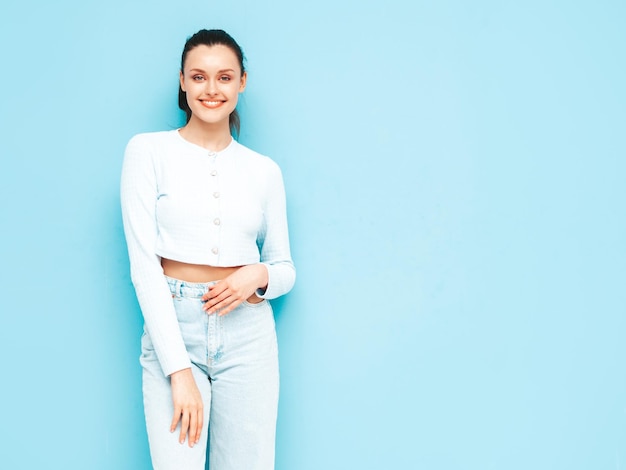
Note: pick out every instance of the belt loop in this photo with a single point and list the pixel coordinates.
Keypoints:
(179, 288)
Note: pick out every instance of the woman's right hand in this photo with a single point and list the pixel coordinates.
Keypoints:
(188, 406)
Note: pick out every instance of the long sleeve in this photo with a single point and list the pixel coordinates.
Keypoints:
(139, 193)
(274, 238)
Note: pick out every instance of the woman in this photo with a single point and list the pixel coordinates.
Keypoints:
(206, 228)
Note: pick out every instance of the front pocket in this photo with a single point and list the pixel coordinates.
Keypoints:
(188, 309)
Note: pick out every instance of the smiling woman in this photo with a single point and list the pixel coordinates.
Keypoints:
(224, 47)
(206, 228)
(211, 80)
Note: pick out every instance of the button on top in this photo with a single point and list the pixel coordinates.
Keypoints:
(214, 250)
(212, 154)
(216, 221)
(214, 173)
(216, 194)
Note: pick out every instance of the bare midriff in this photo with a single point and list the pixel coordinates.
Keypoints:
(199, 273)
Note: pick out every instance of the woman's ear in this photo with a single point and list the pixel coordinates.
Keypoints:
(244, 79)
(181, 78)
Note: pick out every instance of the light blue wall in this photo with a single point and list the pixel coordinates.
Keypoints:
(456, 181)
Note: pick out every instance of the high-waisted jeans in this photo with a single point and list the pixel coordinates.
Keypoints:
(235, 364)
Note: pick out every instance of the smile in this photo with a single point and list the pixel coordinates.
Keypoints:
(211, 104)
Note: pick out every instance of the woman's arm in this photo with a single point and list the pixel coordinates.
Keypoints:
(139, 194)
(274, 239)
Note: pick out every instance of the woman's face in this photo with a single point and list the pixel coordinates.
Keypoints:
(212, 80)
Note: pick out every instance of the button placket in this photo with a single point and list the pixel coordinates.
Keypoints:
(214, 204)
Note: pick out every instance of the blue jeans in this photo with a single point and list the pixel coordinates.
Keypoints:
(235, 364)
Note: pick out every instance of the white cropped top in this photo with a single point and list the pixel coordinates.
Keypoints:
(182, 202)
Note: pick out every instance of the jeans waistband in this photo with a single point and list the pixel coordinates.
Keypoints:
(181, 288)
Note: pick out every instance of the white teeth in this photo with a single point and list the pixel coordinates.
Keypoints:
(212, 103)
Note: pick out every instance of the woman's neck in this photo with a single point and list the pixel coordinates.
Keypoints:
(214, 137)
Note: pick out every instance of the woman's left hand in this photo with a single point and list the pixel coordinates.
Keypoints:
(228, 293)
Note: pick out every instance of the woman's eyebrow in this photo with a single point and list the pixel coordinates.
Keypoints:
(219, 71)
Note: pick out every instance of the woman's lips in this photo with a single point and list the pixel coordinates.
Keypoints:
(211, 104)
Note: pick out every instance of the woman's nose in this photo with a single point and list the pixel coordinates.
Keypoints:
(211, 87)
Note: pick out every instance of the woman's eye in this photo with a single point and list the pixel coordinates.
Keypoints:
(198, 78)
(225, 78)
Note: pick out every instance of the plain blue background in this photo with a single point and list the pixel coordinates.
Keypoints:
(455, 178)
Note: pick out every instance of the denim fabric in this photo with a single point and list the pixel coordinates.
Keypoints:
(235, 363)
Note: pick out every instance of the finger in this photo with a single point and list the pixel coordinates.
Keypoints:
(175, 419)
(224, 304)
(214, 290)
(221, 301)
(213, 296)
(200, 424)
(193, 429)
(184, 426)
